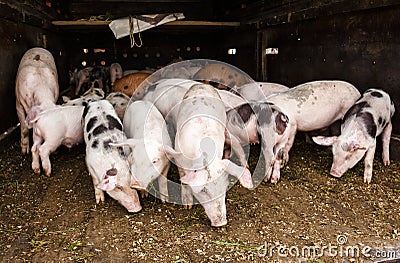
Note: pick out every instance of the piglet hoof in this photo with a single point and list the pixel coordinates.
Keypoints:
(246, 180)
(285, 159)
(274, 180)
(267, 177)
(144, 193)
(99, 197)
(367, 179)
(386, 162)
(164, 199)
(36, 170)
(47, 172)
(187, 206)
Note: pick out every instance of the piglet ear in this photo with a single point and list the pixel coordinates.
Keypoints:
(129, 142)
(281, 122)
(108, 183)
(241, 173)
(353, 146)
(325, 141)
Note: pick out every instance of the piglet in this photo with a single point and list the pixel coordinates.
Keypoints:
(129, 83)
(36, 85)
(222, 75)
(107, 164)
(119, 101)
(99, 78)
(57, 126)
(199, 145)
(362, 124)
(116, 72)
(82, 77)
(91, 94)
(144, 126)
(244, 125)
(312, 106)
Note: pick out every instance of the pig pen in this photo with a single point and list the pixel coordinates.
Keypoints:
(308, 216)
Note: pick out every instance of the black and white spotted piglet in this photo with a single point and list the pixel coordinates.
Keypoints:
(107, 164)
(363, 122)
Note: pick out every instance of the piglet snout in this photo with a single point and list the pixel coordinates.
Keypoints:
(133, 207)
(219, 222)
(335, 173)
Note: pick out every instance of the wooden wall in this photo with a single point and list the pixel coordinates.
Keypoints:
(359, 47)
(161, 46)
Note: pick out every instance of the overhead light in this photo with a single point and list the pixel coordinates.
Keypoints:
(85, 50)
(271, 51)
(232, 51)
(99, 50)
(84, 63)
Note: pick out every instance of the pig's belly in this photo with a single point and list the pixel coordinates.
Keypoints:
(310, 113)
(309, 121)
(71, 141)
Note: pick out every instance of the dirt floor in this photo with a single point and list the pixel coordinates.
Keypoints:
(307, 217)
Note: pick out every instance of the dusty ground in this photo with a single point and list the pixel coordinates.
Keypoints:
(55, 219)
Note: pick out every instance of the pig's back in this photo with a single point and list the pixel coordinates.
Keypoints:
(38, 57)
(142, 119)
(37, 73)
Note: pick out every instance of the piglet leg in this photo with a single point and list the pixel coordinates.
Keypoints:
(99, 194)
(37, 141)
(163, 184)
(44, 152)
(24, 128)
(368, 161)
(387, 132)
(236, 148)
(289, 144)
(186, 192)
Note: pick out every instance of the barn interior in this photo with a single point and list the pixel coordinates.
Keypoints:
(55, 218)
(355, 41)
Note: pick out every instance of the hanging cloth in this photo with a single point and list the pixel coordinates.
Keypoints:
(128, 26)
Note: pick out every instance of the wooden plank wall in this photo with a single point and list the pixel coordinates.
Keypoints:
(361, 47)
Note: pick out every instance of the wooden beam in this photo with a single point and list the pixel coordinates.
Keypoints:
(81, 23)
(197, 10)
(273, 12)
(173, 23)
